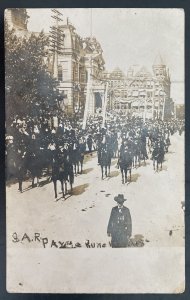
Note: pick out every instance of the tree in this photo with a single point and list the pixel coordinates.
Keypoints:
(30, 89)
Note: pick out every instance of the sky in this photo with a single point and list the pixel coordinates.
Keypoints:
(128, 37)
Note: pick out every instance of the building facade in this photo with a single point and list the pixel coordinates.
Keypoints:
(141, 93)
(80, 64)
(82, 77)
(17, 19)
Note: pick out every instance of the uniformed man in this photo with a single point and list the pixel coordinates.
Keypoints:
(120, 225)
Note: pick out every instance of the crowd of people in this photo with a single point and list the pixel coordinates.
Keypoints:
(118, 134)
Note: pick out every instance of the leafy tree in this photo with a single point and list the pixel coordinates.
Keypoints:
(30, 89)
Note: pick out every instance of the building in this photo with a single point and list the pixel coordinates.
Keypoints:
(17, 18)
(80, 63)
(141, 93)
(180, 111)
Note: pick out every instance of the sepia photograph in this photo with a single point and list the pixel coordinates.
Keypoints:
(95, 150)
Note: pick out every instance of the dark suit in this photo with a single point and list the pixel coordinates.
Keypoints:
(120, 226)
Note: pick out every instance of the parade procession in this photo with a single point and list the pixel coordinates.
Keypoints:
(81, 139)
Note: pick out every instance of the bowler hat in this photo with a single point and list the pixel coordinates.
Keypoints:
(120, 198)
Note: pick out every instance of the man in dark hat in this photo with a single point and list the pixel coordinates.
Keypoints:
(120, 225)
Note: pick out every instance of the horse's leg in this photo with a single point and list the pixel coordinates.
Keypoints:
(125, 171)
(81, 166)
(106, 174)
(75, 169)
(109, 169)
(37, 181)
(55, 187)
(65, 187)
(78, 167)
(154, 164)
(102, 172)
(62, 188)
(122, 175)
(33, 177)
(71, 184)
(130, 174)
(20, 184)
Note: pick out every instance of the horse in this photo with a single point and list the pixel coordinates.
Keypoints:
(105, 160)
(81, 151)
(167, 144)
(62, 170)
(125, 163)
(143, 152)
(23, 162)
(34, 163)
(136, 153)
(74, 155)
(158, 156)
(114, 147)
(15, 167)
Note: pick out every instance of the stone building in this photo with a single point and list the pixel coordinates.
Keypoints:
(80, 61)
(94, 65)
(180, 111)
(71, 69)
(80, 65)
(142, 93)
(17, 18)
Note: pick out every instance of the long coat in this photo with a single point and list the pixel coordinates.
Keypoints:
(120, 226)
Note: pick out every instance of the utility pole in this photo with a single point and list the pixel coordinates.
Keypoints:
(163, 109)
(89, 82)
(153, 101)
(145, 108)
(56, 40)
(105, 105)
(87, 96)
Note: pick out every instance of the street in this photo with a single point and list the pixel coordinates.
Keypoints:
(154, 200)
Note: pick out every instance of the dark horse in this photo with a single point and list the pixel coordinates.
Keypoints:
(125, 162)
(158, 156)
(15, 167)
(167, 144)
(62, 170)
(22, 163)
(80, 155)
(105, 160)
(136, 153)
(34, 164)
(74, 155)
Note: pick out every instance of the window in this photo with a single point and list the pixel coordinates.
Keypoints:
(82, 75)
(60, 73)
(75, 72)
(65, 70)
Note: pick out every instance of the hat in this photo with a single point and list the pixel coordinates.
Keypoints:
(119, 198)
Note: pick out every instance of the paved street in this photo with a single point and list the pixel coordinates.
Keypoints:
(154, 200)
